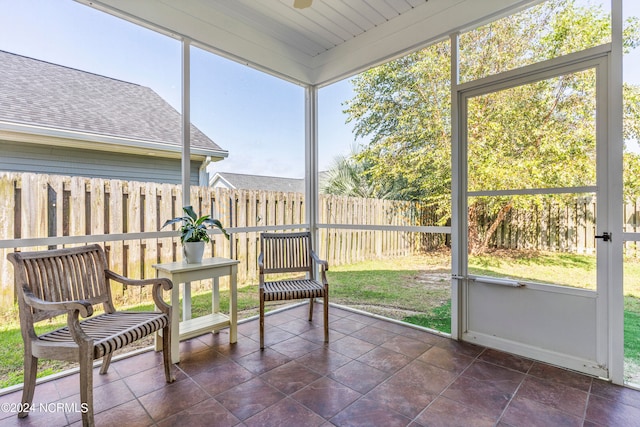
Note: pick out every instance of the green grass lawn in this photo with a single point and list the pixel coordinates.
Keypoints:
(413, 289)
(394, 288)
(543, 267)
(632, 339)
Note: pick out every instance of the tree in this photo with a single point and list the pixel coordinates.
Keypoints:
(539, 135)
(349, 177)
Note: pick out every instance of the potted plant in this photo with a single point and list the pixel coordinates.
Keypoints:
(193, 233)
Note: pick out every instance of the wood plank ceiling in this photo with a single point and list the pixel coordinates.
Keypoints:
(317, 45)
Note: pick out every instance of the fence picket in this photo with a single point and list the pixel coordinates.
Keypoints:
(166, 211)
(115, 224)
(243, 208)
(77, 206)
(33, 206)
(134, 221)
(7, 223)
(150, 223)
(252, 244)
(56, 185)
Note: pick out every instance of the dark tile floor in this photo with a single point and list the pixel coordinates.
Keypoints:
(372, 373)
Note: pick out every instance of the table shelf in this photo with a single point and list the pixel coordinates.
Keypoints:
(203, 324)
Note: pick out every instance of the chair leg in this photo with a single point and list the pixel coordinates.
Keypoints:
(166, 353)
(30, 371)
(86, 385)
(106, 361)
(311, 309)
(261, 320)
(326, 316)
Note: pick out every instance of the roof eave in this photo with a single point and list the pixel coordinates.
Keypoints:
(90, 141)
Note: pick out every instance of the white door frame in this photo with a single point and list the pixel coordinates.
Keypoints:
(594, 304)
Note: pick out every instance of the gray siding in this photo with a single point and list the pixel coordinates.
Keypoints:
(21, 157)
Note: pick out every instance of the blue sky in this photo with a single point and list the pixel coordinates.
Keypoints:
(259, 119)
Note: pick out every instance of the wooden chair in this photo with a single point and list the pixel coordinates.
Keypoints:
(71, 281)
(290, 253)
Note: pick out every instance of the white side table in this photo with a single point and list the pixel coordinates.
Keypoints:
(209, 268)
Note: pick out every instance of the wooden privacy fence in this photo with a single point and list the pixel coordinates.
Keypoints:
(38, 205)
(561, 226)
(567, 226)
(341, 246)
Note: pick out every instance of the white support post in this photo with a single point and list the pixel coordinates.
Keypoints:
(458, 203)
(186, 154)
(311, 160)
(311, 165)
(186, 122)
(615, 279)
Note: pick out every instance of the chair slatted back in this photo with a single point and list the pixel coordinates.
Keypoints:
(286, 252)
(63, 275)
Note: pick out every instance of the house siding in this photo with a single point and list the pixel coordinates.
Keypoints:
(37, 158)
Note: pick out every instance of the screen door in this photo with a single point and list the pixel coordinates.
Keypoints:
(534, 151)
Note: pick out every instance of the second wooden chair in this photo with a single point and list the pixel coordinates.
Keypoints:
(291, 253)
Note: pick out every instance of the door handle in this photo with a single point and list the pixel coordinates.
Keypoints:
(606, 237)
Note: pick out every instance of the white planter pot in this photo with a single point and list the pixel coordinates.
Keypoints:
(193, 252)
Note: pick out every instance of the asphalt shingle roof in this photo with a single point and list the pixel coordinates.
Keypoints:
(264, 183)
(35, 92)
(267, 183)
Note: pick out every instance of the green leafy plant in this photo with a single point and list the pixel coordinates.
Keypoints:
(194, 228)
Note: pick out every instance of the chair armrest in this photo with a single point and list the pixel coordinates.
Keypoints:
(324, 268)
(156, 293)
(324, 264)
(166, 283)
(261, 262)
(74, 309)
(83, 308)
(261, 270)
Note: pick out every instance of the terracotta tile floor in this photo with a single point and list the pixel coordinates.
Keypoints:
(372, 373)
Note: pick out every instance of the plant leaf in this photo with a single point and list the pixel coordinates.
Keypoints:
(189, 211)
(174, 220)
